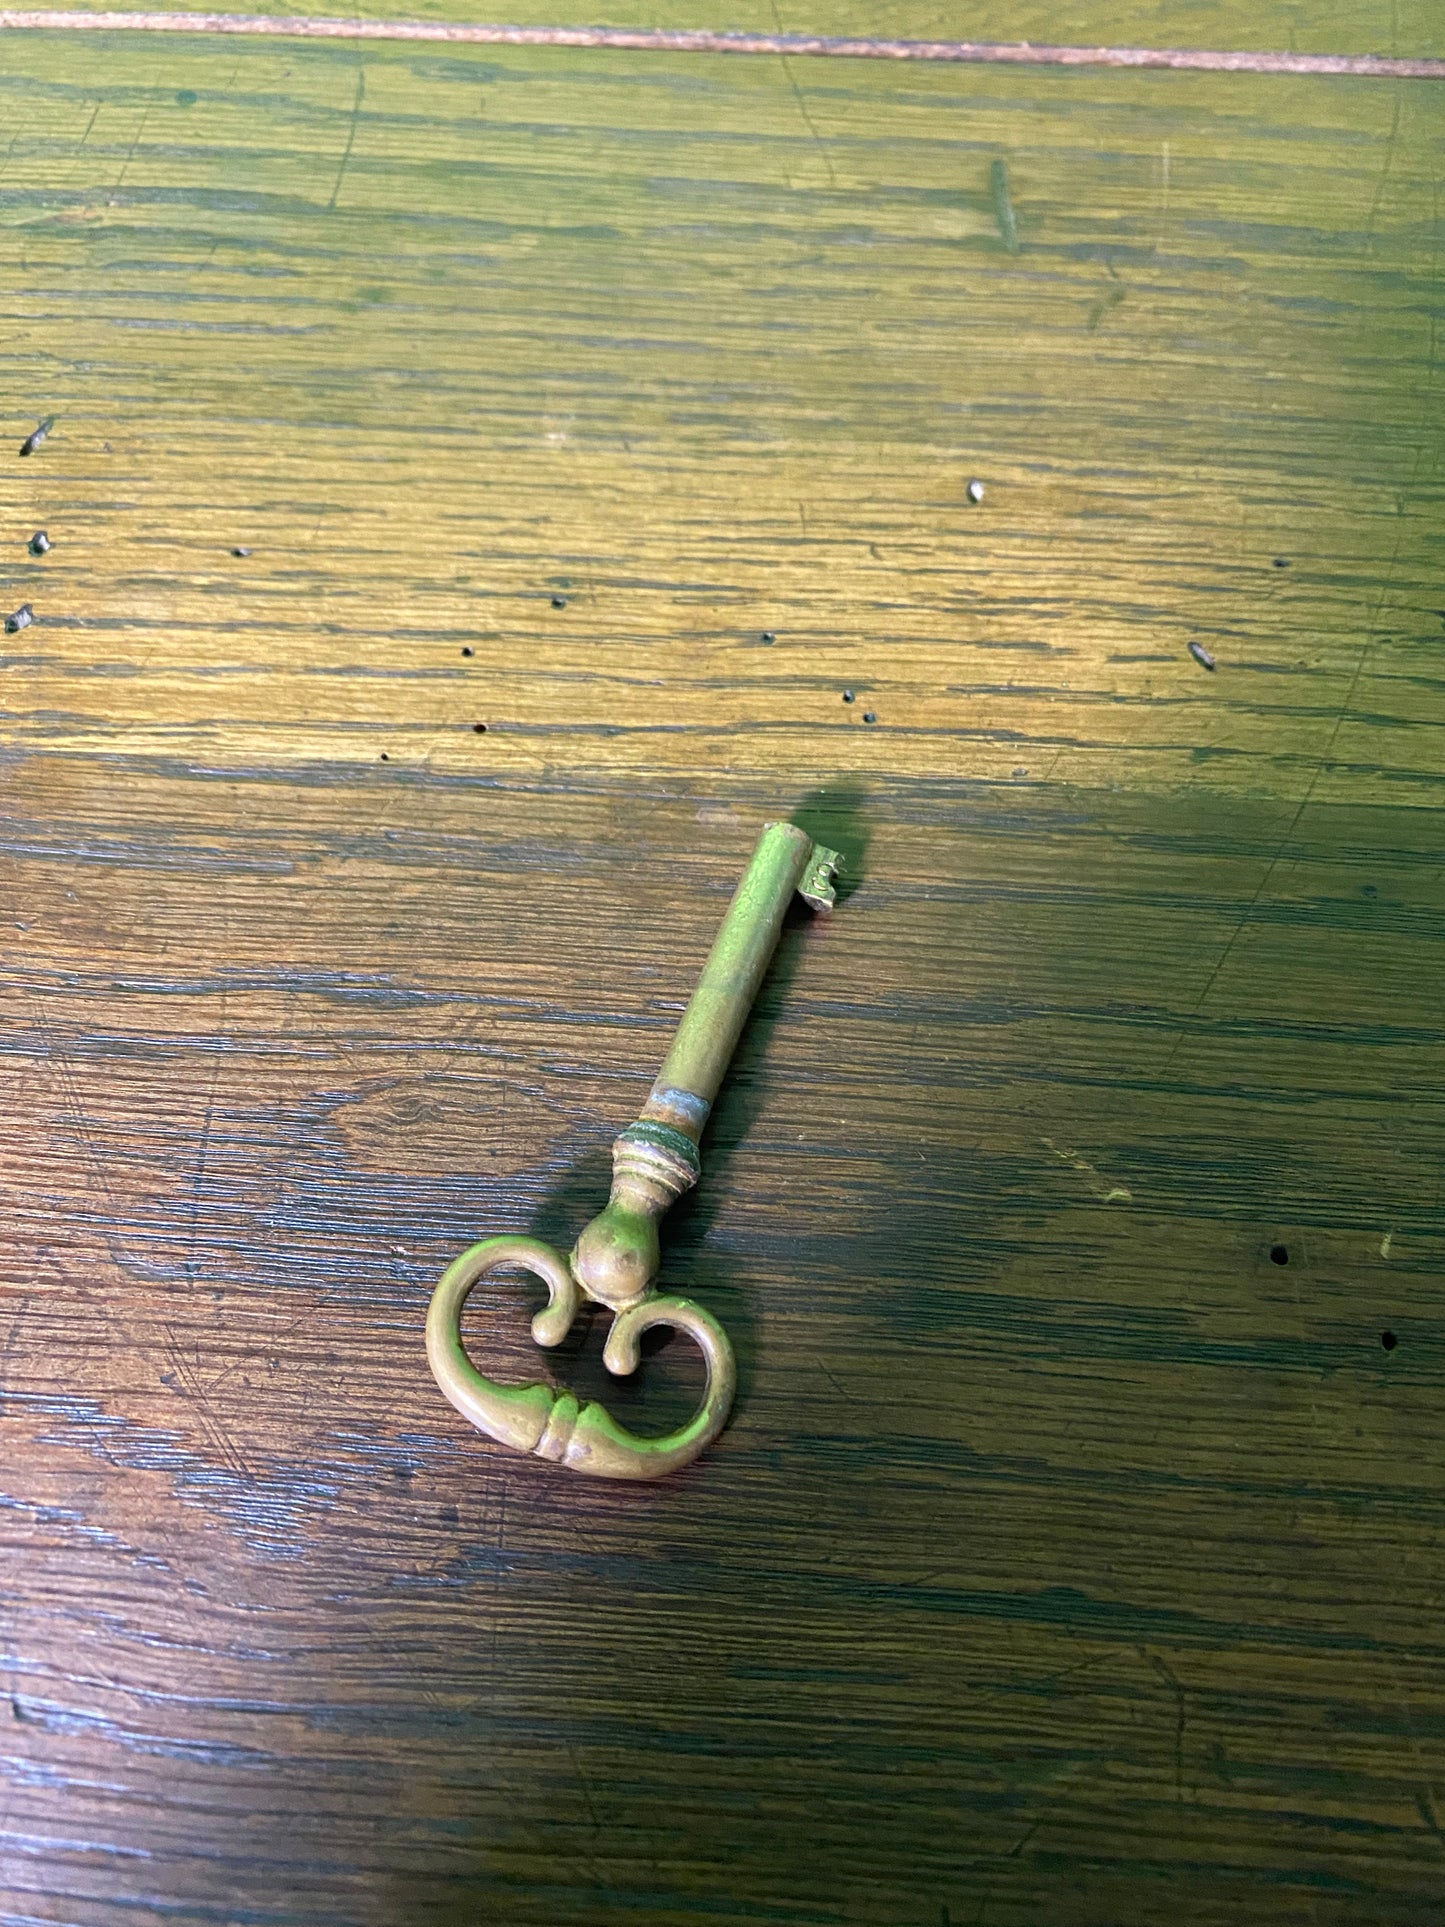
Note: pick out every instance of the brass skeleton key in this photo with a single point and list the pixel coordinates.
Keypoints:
(615, 1260)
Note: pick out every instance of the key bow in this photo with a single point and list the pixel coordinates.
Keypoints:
(555, 1425)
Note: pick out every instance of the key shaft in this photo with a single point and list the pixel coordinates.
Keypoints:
(656, 1159)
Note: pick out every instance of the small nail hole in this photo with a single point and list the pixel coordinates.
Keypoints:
(1389, 1341)
(1281, 561)
(848, 696)
(559, 602)
(869, 716)
(384, 757)
(768, 636)
(479, 729)
(467, 651)
(1279, 1254)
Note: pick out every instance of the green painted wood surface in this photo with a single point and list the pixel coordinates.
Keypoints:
(1072, 1559)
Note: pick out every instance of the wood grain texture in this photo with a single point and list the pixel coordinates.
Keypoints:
(1071, 1559)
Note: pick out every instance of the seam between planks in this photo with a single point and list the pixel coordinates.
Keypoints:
(661, 40)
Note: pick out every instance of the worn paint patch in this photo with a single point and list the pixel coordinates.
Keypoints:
(1103, 1188)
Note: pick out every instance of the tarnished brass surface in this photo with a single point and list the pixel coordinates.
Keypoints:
(616, 1258)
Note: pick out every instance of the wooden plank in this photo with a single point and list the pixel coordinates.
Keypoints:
(439, 366)
(1075, 1552)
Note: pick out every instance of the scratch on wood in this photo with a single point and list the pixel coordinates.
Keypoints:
(1110, 299)
(1167, 1674)
(803, 107)
(1003, 207)
(350, 136)
(1425, 1807)
(1102, 1187)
